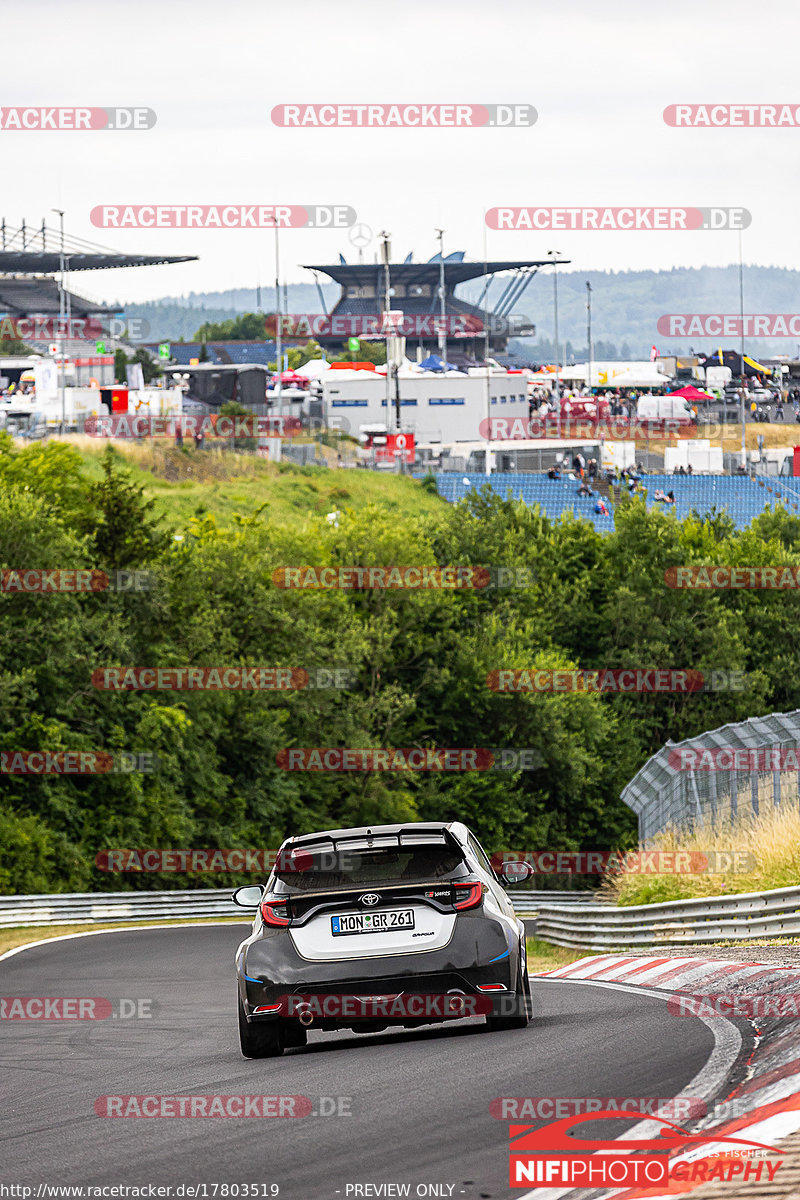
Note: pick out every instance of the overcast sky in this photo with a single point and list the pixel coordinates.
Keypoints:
(599, 75)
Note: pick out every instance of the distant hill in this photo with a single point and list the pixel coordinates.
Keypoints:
(626, 306)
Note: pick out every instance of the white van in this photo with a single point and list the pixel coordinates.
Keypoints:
(664, 408)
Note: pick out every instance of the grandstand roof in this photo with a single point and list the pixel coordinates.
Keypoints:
(37, 251)
(410, 272)
(26, 297)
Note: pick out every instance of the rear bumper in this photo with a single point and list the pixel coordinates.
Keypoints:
(405, 989)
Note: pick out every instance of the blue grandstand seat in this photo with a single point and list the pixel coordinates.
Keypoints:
(742, 497)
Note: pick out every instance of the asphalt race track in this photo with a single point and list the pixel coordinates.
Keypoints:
(419, 1100)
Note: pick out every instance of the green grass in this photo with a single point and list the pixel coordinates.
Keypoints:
(544, 957)
(190, 484)
(770, 841)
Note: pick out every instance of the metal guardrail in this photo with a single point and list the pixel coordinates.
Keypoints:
(680, 922)
(93, 908)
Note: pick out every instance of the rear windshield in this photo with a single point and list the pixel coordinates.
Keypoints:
(355, 868)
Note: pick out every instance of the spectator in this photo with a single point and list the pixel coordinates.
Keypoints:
(554, 472)
(659, 495)
(585, 490)
(689, 469)
(592, 468)
(670, 498)
(601, 507)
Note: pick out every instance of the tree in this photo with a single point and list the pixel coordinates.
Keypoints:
(247, 327)
(9, 346)
(374, 352)
(120, 365)
(120, 522)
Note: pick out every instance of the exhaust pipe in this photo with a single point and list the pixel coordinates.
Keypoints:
(305, 1016)
(457, 1001)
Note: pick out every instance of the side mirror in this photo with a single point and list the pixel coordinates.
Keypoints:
(515, 873)
(248, 896)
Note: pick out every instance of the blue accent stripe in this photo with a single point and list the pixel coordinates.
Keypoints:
(505, 954)
(250, 977)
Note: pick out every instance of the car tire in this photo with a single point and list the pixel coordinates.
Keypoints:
(523, 1002)
(264, 1040)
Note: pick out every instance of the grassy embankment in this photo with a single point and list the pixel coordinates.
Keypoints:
(191, 483)
(772, 838)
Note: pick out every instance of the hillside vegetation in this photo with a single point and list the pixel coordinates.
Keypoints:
(417, 660)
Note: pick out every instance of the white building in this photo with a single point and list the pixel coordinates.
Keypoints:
(435, 407)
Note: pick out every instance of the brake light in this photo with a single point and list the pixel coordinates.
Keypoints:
(468, 895)
(274, 912)
(491, 987)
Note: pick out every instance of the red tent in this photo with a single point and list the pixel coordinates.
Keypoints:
(691, 393)
(293, 377)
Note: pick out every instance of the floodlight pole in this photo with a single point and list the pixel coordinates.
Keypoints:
(61, 314)
(278, 343)
(589, 333)
(442, 305)
(741, 348)
(488, 459)
(386, 253)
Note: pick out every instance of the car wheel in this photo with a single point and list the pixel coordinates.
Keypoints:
(523, 1005)
(259, 1041)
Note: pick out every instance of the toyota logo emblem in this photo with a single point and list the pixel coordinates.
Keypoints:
(370, 898)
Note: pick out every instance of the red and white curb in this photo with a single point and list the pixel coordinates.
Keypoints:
(767, 1100)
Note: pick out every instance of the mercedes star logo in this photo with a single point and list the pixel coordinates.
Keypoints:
(370, 898)
(360, 235)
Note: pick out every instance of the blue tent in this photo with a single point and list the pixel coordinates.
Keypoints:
(434, 363)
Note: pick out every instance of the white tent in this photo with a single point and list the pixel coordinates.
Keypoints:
(637, 377)
(313, 368)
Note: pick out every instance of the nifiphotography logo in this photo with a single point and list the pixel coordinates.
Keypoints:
(551, 1156)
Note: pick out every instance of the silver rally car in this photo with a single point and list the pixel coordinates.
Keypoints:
(366, 928)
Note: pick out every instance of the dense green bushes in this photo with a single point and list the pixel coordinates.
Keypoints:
(419, 660)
